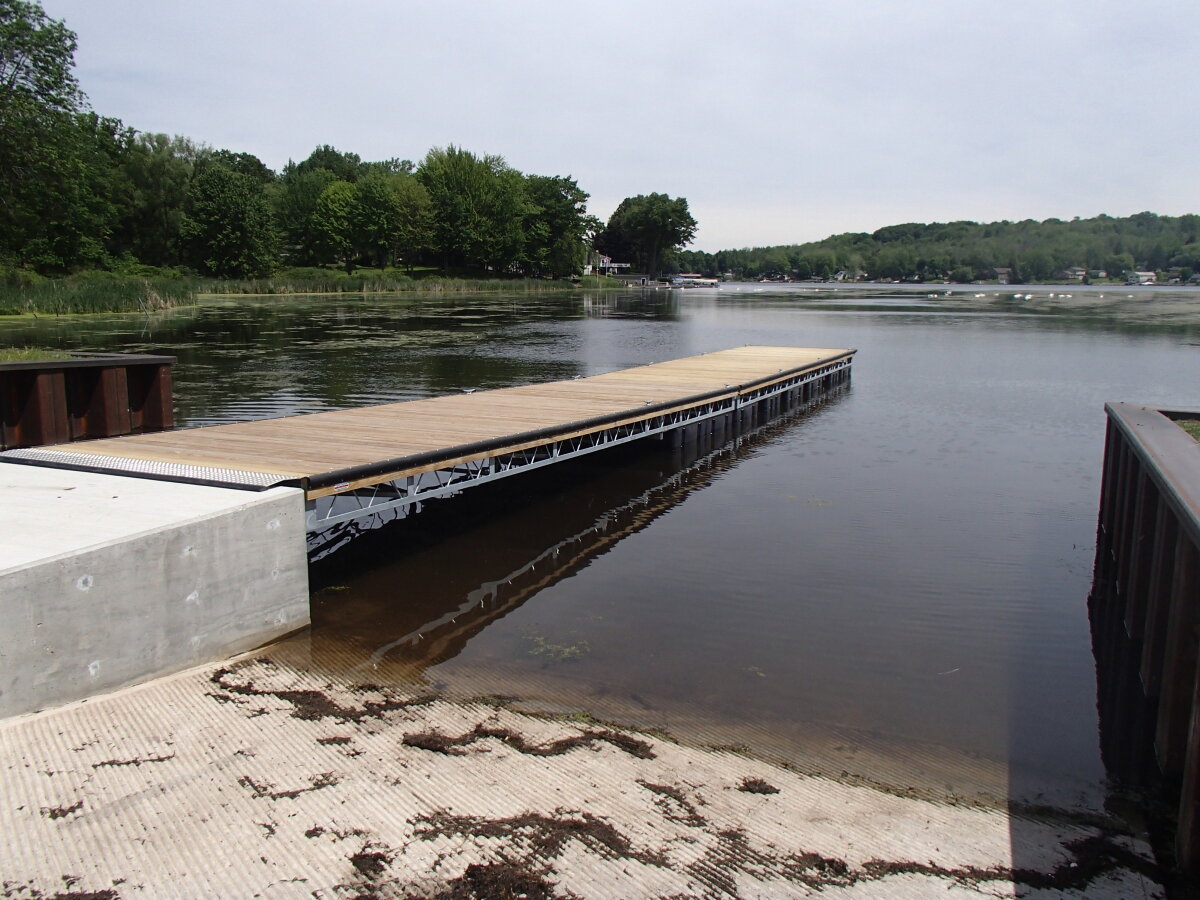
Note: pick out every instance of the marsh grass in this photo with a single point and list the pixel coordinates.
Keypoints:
(151, 290)
(29, 354)
(329, 281)
(69, 296)
(602, 282)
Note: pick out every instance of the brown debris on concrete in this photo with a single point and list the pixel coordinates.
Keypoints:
(249, 786)
(497, 881)
(757, 786)
(453, 746)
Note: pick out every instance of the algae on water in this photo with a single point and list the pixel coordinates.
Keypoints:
(556, 652)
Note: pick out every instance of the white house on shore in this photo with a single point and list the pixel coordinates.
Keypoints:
(603, 265)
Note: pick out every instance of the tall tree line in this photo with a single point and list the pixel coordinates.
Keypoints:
(82, 191)
(970, 251)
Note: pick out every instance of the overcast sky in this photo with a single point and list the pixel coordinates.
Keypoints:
(780, 122)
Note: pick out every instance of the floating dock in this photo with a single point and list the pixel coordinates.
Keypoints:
(394, 456)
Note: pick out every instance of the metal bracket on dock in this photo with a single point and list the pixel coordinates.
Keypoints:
(405, 494)
(57, 458)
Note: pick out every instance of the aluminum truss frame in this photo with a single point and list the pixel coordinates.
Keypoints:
(405, 494)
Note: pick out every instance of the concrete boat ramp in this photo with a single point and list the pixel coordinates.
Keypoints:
(260, 778)
(140, 756)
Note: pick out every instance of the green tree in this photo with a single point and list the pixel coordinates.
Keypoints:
(375, 218)
(414, 228)
(556, 226)
(227, 226)
(393, 166)
(295, 200)
(37, 55)
(79, 209)
(244, 163)
(335, 224)
(41, 142)
(156, 171)
(1036, 265)
(823, 263)
(1118, 264)
(344, 166)
(648, 225)
(479, 208)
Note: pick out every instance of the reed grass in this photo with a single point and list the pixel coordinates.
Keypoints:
(113, 292)
(29, 354)
(70, 296)
(601, 282)
(328, 281)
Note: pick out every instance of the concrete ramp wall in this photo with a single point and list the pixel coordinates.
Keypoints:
(106, 580)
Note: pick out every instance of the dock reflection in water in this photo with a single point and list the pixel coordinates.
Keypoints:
(438, 579)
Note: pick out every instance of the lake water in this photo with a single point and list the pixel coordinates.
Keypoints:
(889, 587)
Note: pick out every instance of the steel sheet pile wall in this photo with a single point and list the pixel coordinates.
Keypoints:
(1145, 608)
(84, 396)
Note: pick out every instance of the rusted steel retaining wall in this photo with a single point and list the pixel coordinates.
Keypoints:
(89, 395)
(1145, 606)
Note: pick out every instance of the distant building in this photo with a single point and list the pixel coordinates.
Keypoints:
(1141, 278)
(1075, 273)
(603, 265)
(1002, 275)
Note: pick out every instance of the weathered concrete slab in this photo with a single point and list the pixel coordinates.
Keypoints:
(107, 580)
(259, 778)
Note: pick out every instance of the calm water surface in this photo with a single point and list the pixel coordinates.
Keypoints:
(892, 585)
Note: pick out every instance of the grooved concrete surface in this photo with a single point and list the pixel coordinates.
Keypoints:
(258, 779)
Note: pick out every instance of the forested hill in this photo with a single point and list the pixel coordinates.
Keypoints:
(970, 251)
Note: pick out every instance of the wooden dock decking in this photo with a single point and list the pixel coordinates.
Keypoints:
(333, 451)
